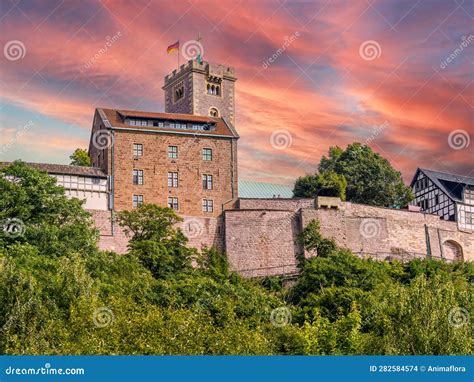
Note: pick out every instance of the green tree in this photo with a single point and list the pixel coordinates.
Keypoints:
(80, 157)
(160, 246)
(324, 184)
(35, 206)
(370, 178)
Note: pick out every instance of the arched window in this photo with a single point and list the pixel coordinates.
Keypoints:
(213, 112)
(208, 89)
(218, 90)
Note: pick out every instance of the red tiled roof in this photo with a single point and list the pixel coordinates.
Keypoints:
(116, 119)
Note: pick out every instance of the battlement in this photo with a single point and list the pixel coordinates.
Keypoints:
(209, 69)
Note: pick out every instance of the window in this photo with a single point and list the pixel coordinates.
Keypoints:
(206, 154)
(137, 176)
(178, 91)
(207, 205)
(213, 89)
(95, 181)
(173, 152)
(470, 218)
(137, 200)
(213, 112)
(158, 124)
(436, 201)
(137, 150)
(172, 179)
(207, 182)
(173, 203)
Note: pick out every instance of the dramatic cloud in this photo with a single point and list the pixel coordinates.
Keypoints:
(394, 74)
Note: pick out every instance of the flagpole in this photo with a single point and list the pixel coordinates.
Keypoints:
(179, 53)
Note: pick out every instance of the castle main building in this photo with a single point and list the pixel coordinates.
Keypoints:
(185, 158)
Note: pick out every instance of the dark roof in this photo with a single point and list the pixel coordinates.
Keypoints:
(116, 119)
(65, 169)
(451, 184)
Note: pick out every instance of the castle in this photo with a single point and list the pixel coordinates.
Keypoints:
(186, 159)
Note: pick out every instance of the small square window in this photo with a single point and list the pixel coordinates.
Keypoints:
(137, 200)
(138, 177)
(173, 203)
(207, 154)
(173, 152)
(173, 179)
(207, 205)
(137, 150)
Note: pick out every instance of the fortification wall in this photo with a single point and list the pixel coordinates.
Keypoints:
(262, 242)
(201, 232)
(275, 204)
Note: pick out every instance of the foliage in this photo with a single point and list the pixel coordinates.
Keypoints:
(44, 216)
(324, 184)
(75, 299)
(80, 157)
(156, 242)
(313, 241)
(370, 178)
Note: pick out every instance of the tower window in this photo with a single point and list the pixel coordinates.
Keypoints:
(178, 92)
(213, 112)
(213, 89)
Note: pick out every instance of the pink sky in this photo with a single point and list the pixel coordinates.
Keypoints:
(407, 101)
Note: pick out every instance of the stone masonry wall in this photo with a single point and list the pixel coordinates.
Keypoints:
(275, 204)
(189, 165)
(201, 232)
(263, 241)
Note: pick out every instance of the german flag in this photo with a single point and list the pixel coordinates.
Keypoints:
(173, 47)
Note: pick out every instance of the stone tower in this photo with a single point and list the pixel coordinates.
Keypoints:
(201, 89)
